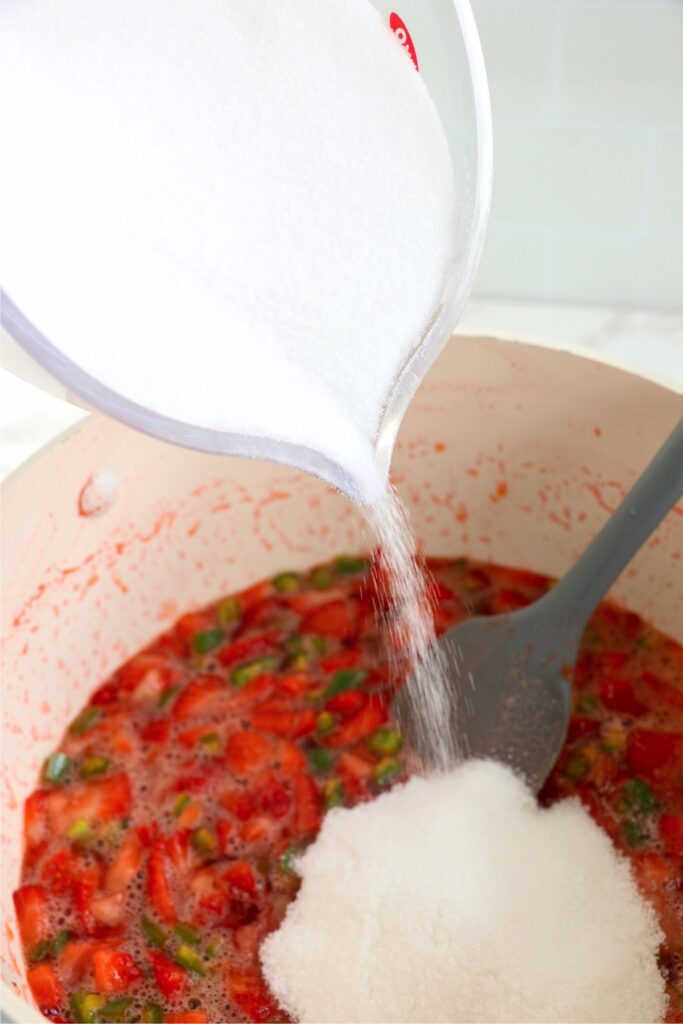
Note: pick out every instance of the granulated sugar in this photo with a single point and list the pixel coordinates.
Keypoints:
(237, 213)
(456, 898)
(427, 702)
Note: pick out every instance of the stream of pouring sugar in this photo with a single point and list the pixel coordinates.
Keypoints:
(425, 706)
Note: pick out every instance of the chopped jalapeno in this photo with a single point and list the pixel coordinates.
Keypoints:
(318, 643)
(85, 721)
(152, 1014)
(80, 832)
(154, 935)
(300, 661)
(168, 695)
(228, 611)
(319, 760)
(213, 949)
(56, 768)
(92, 766)
(634, 836)
(321, 578)
(345, 679)
(252, 670)
(204, 841)
(187, 932)
(345, 565)
(85, 1006)
(640, 794)
(286, 581)
(386, 771)
(589, 702)
(182, 801)
(385, 741)
(188, 958)
(204, 642)
(325, 722)
(41, 951)
(577, 767)
(333, 793)
(211, 743)
(287, 861)
(115, 1009)
(59, 942)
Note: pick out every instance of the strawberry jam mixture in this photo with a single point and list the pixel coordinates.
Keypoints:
(159, 845)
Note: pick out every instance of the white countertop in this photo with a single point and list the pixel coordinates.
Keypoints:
(649, 342)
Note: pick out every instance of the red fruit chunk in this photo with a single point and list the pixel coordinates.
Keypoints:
(125, 864)
(581, 725)
(199, 697)
(610, 663)
(345, 659)
(178, 849)
(649, 751)
(359, 725)
(114, 971)
(170, 978)
(240, 876)
(155, 731)
(97, 802)
(248, 992)
(148, 674)
(295, 684)
(246, 650)
(58, 872)
(336, 619)
(148, 833)
(278, 717)
(245, 751)
(46, 989)
(663, 691)
(307, 816)
(30, 904)
(35, 821)
(273, 799)
(255, 829)
(84, 889)
(346, 703)
(186, 1017)
(224, 830)
(194, 622)
(508, 601)
(239, 804)
(617, 695)
(671, 831)
(158, 888)
(108, 693)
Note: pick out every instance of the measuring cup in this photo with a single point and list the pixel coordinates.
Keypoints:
(440, 37)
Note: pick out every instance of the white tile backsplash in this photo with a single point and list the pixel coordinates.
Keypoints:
(587, 99)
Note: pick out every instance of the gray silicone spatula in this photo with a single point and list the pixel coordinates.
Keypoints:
(511, 674)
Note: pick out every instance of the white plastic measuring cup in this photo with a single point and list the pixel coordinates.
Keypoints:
(441, 38)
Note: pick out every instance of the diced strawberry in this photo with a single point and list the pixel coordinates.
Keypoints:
(610, 663)
(224, 830)
(294, 685)
(158, 888)
(353, 766)
(437, 592)
(97, 802)
(360, 724)
(199, 697)
(336, 619)
(348, 702)
(170, 978)
(155, 731)
(273, 798)
(58, 872)
(240, 876)
(125, 864)
(239, 804)
(190, 783)
(147, 676)
(617, 694)
(85, 887)
(671, 831)
(248, 649)
(344, 659)
(307, 816)
(279, 718)
(194, 622)
(35, 820)
(248, 992)
(648, 751)
(148, 833)
(114, 971)
(663, 691)
(255, 829)
(191, 737)
(208, 889)
(504, 601)
(46, 989)
(653, 872)
(186, 1017)
(289, 757)
(108, 693)
(245, 751)
(597, 810)
(30, 904)
(581, 725)
(108, 910)
(178, 849)
(76, 957)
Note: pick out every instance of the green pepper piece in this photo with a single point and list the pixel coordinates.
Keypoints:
(385, 741)
(285, 581)
(188, 958)
(333, 793)
(152, 1014)
(228, 611)
(154, 935)
(80, 832)
(204, 642)
(252, 670)
(187, 932)
(211, 743)
(85, 1006)
(56, 767)
(183, 800)
(386, 771)
(319, 760)
(287, 861)
(204, 841)
(577, 767)
(345, 565)
(634, 836)
(115, 1009)
(213, 949)
(589, 702)
(168, 695)
(299, 661)
(345, 679)
(92, 766)
(85, 721)
(325, 722)
(318, 643)
(321, 578)
(41, 951)
(59, 942)
(639, 793)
